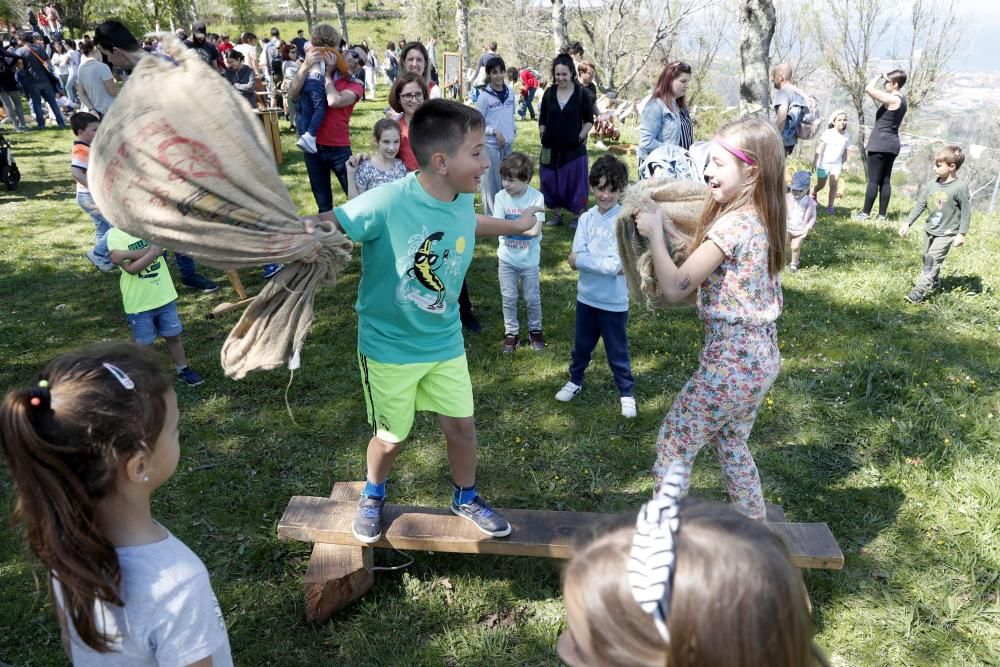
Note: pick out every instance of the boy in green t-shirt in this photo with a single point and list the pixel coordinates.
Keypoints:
(149, 297)
(950, 207)
(418, 236)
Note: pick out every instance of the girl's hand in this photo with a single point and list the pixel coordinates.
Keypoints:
(649, 220)
(312, 55)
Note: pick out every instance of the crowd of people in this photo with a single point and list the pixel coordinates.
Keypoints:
(96, 433)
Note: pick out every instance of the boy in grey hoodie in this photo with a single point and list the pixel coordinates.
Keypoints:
(601, 292)
(496, 103)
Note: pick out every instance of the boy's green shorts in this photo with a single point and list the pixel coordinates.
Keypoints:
(395, 392)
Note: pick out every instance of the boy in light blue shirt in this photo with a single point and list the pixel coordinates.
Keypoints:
(519, 255)
(601, 291)
(418, 235)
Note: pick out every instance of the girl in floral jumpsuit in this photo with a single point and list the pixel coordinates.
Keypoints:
(741, 245)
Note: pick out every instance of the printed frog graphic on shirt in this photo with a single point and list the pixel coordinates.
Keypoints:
(935, 203)
(425, 282)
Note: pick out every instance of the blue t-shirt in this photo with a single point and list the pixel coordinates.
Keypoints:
(414, 255)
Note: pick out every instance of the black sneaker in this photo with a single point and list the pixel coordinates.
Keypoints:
(189, 377)
(367, 526)
(200, 283)
(484, 517)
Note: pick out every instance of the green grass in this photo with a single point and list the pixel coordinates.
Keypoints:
(882, 423)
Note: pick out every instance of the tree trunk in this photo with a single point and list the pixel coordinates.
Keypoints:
(462, 28)
(342, 15)
(558, 24)
(757, 18)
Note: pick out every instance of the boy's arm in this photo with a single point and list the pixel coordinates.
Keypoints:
(489, 226)
(965, 205)
(79, 175)
(136, 265)
(918, 208)
(583, 260)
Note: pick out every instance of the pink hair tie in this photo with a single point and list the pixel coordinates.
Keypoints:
(735, 151)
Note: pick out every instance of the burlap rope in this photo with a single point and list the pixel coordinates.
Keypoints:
(681, 203)
(181, 161)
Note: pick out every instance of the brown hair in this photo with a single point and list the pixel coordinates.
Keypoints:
(897, 76)
(737, 601)
(397, 88)
(64, 454)
(325, 34)
(440, 126)
(950, 154)
(517, 165)
(383, 124)
(765, 189)
(672, 71)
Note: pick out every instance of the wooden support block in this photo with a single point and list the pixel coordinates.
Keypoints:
(539, 533)
(337, 574)
(234, 280)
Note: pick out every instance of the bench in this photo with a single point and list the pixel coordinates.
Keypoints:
(340, 568)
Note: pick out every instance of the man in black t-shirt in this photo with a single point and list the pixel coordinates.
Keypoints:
(200, 43)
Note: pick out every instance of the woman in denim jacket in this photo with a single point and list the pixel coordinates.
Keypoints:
(665, 119)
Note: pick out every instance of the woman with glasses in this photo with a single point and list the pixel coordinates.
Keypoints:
(407, 94)
(665, 118)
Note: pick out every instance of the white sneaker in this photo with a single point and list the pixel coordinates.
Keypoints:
(628, 407)
(568, 392)
(102, 264)
(307, 142)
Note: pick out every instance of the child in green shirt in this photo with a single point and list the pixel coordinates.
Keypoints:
(149, 297)
(950, 207)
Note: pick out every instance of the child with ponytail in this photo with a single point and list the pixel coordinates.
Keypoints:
(734, 268)
(686, 584)
(87, 444)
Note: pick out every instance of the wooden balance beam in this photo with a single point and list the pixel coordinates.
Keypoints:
(340, 568)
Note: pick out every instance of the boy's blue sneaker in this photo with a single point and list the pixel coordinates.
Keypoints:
(271, 270)
(189, 376)
(484, 517)
(201, 283)
(367, 526)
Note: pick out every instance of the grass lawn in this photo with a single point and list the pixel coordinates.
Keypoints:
(883, 423)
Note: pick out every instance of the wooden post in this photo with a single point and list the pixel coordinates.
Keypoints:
(337, 575)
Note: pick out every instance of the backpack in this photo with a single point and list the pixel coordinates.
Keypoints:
(274, 61)
(393, 69)
(808, 116)
(10, 175)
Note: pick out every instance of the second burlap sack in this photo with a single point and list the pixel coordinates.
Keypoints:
(180, 160)
(681, 203)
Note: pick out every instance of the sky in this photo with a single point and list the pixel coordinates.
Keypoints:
(981, 54)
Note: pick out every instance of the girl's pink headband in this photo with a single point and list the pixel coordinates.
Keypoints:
(735, 151)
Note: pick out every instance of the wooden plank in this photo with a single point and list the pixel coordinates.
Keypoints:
(337, 574)
(539, 533)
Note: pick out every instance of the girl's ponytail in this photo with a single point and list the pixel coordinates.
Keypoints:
(63, 442)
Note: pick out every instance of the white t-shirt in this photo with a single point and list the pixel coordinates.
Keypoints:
(249, 52)
(834, 144)
(518, 250)
(91, 77)
(170, 618)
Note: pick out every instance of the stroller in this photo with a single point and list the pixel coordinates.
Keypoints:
(10, 175)
(674, 161)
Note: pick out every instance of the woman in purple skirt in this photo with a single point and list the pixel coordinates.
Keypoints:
(564, 120)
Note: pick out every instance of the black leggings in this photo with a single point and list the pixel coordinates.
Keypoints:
(879, 174)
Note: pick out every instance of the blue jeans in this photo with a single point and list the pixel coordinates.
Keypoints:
(527, 102)
(186, 267)
(592, 324)
(147, 324)
(311, 106)
(491, 182)
(318, 167)
(101, 224)
(36, 92)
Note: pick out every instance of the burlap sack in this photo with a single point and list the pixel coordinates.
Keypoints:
(180, 160)
(681, 203)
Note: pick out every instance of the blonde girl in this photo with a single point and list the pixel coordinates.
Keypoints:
(734, 268)
(366, 172)
(664, 590)
(831, 154)
(87, 443)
